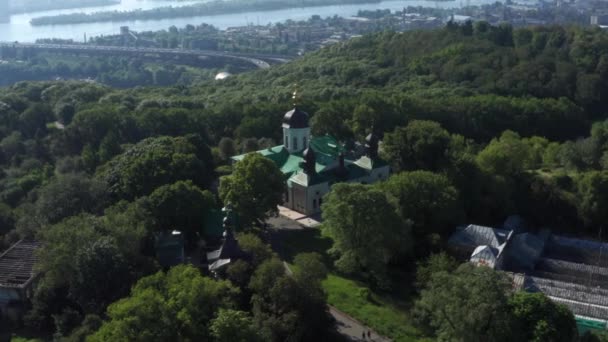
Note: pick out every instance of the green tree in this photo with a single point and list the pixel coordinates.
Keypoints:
(435, 263)
(102, 276)
(181, 205)
(255, 188)
(419, 145)
(154, 162)
(364, 118)
(12, 145)
(177, 306)
(64, 240)
(593, 197)
(34, 119)
(109, 147)
(233, 326)
(258, 250)
(89, 326)
(504, 156)
(68, 195)
(540, 319)
(426, 198)
(309, 272)
(249, 145)
(227, 148)
(470, 304)
(90, 158)
(367, 231)
(285, 308)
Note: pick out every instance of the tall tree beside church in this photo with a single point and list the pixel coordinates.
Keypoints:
(426, 198)
(366, 229)
(255, 188)
(419, 145)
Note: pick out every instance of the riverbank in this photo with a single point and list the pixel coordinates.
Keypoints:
(18, 7)
(211, 8)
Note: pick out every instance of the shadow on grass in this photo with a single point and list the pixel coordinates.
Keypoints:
(290, 243)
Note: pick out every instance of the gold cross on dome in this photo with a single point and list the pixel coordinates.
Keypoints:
(296, 95)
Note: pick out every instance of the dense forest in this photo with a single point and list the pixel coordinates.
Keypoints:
(478, 122)
(118, 72)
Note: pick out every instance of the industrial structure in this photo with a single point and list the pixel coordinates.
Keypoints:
(570, 271)
(17, 276)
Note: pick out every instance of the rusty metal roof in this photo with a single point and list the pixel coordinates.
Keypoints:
(17, 264)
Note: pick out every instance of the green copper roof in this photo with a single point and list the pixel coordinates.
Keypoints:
(327, 145)
(327, 152)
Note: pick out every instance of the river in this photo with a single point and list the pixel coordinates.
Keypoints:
(19, 28)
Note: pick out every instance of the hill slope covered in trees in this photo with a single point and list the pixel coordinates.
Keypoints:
(492, 120)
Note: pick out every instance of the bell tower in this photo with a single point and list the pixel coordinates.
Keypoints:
(296, 130)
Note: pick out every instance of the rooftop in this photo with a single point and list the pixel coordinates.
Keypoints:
(327, 151)
(17, 264)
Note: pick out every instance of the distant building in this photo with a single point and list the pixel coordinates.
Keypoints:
(17, 276)
(311, 165)
(599, 20)
(573, 272)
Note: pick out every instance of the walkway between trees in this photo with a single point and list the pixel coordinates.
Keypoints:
(353, 329)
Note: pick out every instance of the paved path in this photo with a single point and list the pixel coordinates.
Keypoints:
(352, 328)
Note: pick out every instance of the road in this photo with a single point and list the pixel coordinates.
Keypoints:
(353, 329)
(255, 59)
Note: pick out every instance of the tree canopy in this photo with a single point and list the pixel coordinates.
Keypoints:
(176, 306)
(255, 188)
(366, 229)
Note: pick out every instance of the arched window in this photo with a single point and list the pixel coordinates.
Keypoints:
(304, 142)
(286, 141)
(314, 203)
(295, 143)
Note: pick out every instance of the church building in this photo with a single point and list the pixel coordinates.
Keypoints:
(311, 165)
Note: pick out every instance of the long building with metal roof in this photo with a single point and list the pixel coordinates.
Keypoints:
(17, 273)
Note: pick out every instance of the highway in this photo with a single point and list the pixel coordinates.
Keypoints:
(255, 59)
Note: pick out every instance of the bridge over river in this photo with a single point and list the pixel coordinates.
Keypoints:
(261, 61)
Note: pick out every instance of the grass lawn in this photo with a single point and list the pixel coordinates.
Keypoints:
(386, 314)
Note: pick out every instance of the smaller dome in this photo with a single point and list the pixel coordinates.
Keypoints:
(222, 75)
(295, 118)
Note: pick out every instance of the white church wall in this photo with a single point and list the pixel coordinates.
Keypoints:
(314, 196)
(301, 136)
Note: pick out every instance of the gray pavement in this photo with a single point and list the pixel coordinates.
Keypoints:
(353, 329)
